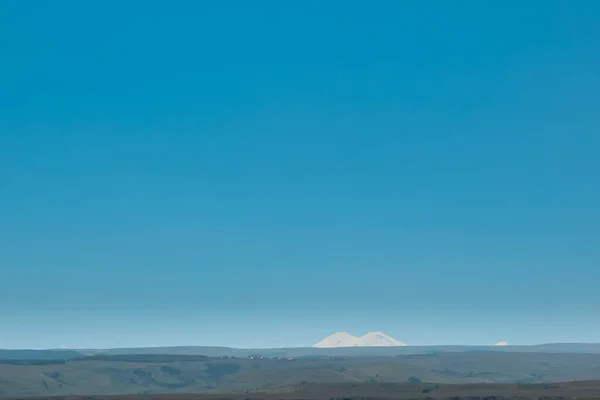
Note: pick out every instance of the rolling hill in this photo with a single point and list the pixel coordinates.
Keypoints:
(585, 390)
(132, 374)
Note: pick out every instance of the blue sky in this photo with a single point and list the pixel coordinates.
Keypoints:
(264, 175)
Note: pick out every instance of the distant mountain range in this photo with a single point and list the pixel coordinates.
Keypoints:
(333, 351)
(39, 354)
(371, 339)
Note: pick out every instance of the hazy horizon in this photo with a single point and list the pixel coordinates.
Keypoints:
(304, 346)
(143, 344)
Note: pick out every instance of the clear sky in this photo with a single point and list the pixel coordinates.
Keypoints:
(265, 173)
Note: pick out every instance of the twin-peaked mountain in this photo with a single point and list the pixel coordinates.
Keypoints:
(344, 339)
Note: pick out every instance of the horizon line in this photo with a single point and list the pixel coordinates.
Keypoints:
(295, 347)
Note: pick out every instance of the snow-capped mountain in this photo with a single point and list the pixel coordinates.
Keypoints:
(379, 339)
(344, 339)
(339, 339)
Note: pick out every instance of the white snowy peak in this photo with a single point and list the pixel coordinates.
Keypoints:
(371, 339)
(339, 339)
(379, 339)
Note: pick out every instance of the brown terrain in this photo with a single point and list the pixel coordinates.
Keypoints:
(412, 376)
(584, 390)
